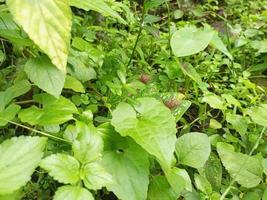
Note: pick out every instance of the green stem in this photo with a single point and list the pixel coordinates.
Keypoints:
(258, 141)
(36, 131)
(25, 102)
(141, 27)
(169, 26)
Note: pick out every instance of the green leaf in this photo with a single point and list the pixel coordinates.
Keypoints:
(98, 6)
(62, 167)
(231, 100)
(258, 114)
(19, 88)
(213, 172)
(190, 40)
(10, 31)
(252, 195)
(79, 70)
(73, 84)
(8, 114)
(246, 170)
(45, 75)
(95, 176)
(190, 71)
(264, 196)
(181, 109)
(19, 158)
(31, 115)
(202, 184)
(48, 24)
(191, 195)
(72, 193)
(54, 111)
(238, 122)
(160, 189)
(178, 179)
(214, 124)
(88, 144)
(128, 164)
(261, 46)
(150, 124)
(214, 101)
(217, 43)
(193, 149)
(17, 195)
(149, 4)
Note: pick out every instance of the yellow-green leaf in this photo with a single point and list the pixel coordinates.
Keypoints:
(19, 158)
(48, 24)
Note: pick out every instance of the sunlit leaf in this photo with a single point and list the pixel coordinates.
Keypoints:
(48, 24)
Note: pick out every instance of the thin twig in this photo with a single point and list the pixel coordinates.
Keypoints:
(169, 26)
(36, 131)
(141, 27)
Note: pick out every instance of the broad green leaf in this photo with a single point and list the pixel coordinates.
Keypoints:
(261, 46)
(79, 68)
(193, 149)
(238, 122)
(190, 40)
(181, 109)
(214, 124)
(71, 133)
(19, 88)
(258, 67)
(73, 84)
(10, 31)
(54, 111)
(87, 50)
(17, 195)
(217, 43)
(191, 195)
(48, 24)
(178, 14)
(98, 6)
(213, 172)
(95, 176)
(190, 71)
(68, 192)
(88, 144)
(19, 158)
(246, 170)
(150, 124)
(202, 184)
(45, 75)
(259, 114)
(214, 101)
(252, 195)
(31, 115)
(231, 100)
(62, 167)
(8, 114)
(160, 189)
(128, 164)
(181, 106)
(264, 196)
(149, 4)
(178, 179)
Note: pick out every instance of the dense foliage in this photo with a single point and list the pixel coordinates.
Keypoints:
(133, 100)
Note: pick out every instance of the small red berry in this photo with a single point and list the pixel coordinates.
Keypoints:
(144, 78)
(172, 103)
